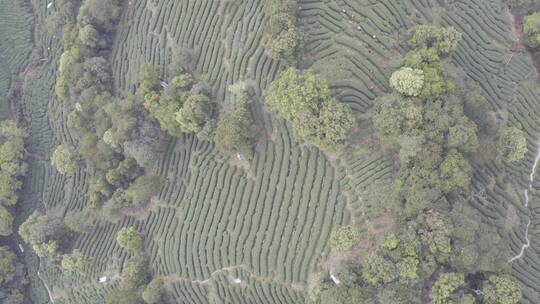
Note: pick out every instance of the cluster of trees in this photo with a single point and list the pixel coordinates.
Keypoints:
(306, 102)
(185, 106)
(420, 265)
(12, 277)
(114, 136)
(136, 286)
(280, 31)
(433, 130)
(12, 169)
(442, 252)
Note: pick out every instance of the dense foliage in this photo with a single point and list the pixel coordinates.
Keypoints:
(46, 233)
(280, 31)
(235, 132)
(531, 30)
(305, 101)
(12, 277)
(129, 239)
(442, 250)
(64, 160)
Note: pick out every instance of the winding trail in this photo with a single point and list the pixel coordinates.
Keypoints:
(45, 284)
(526, 194)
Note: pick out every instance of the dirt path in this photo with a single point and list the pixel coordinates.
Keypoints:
(44, 283)
(527, 242)
(516, 16)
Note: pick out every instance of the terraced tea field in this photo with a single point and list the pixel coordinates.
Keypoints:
(220, 233)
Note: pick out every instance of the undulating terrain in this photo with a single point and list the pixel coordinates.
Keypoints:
(223, 233)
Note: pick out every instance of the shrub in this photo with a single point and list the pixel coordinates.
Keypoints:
(64, 160)
(343, 238)
(129, 239)
(512, 144)
(408, 81)
(123, 296)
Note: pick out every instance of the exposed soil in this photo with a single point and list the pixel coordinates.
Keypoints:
(516, 16)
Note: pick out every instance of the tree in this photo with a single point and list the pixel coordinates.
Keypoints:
(80, 221)
(134, 273)
(455, 172)
(345, 274)
(101, 13)
(343, 238)
(297, 91)
(89, 36)
(501, 289)
(512, 144)
(305, 101)
(6, 221)
(129, 239)
(195, 113)
(377, 270)
(408, 81)
(7, 265)
(235, 132)
(46, 233)
(335, 122)
(154, 292)
(148, 79)
(73, 263)
(143, 153)
(282, 46)
(280, 33)
(531, 29)
(144, 188)
(64, 160)
(446, 284)
(443, 40)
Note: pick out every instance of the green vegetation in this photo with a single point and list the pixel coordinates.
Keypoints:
(154, 292)
(12, 277)
(73, 263)
(64, 160)
(206, 215)
(235, 132)
(512, 144)
(46, 233)
(305, 101)
(408, 81)
(129, 239)
(280, 31)
(531, 30)
(11, 161)
(440, 245)
(344, 238)
(501, 290)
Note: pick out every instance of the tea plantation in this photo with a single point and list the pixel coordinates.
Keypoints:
(221, 231)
